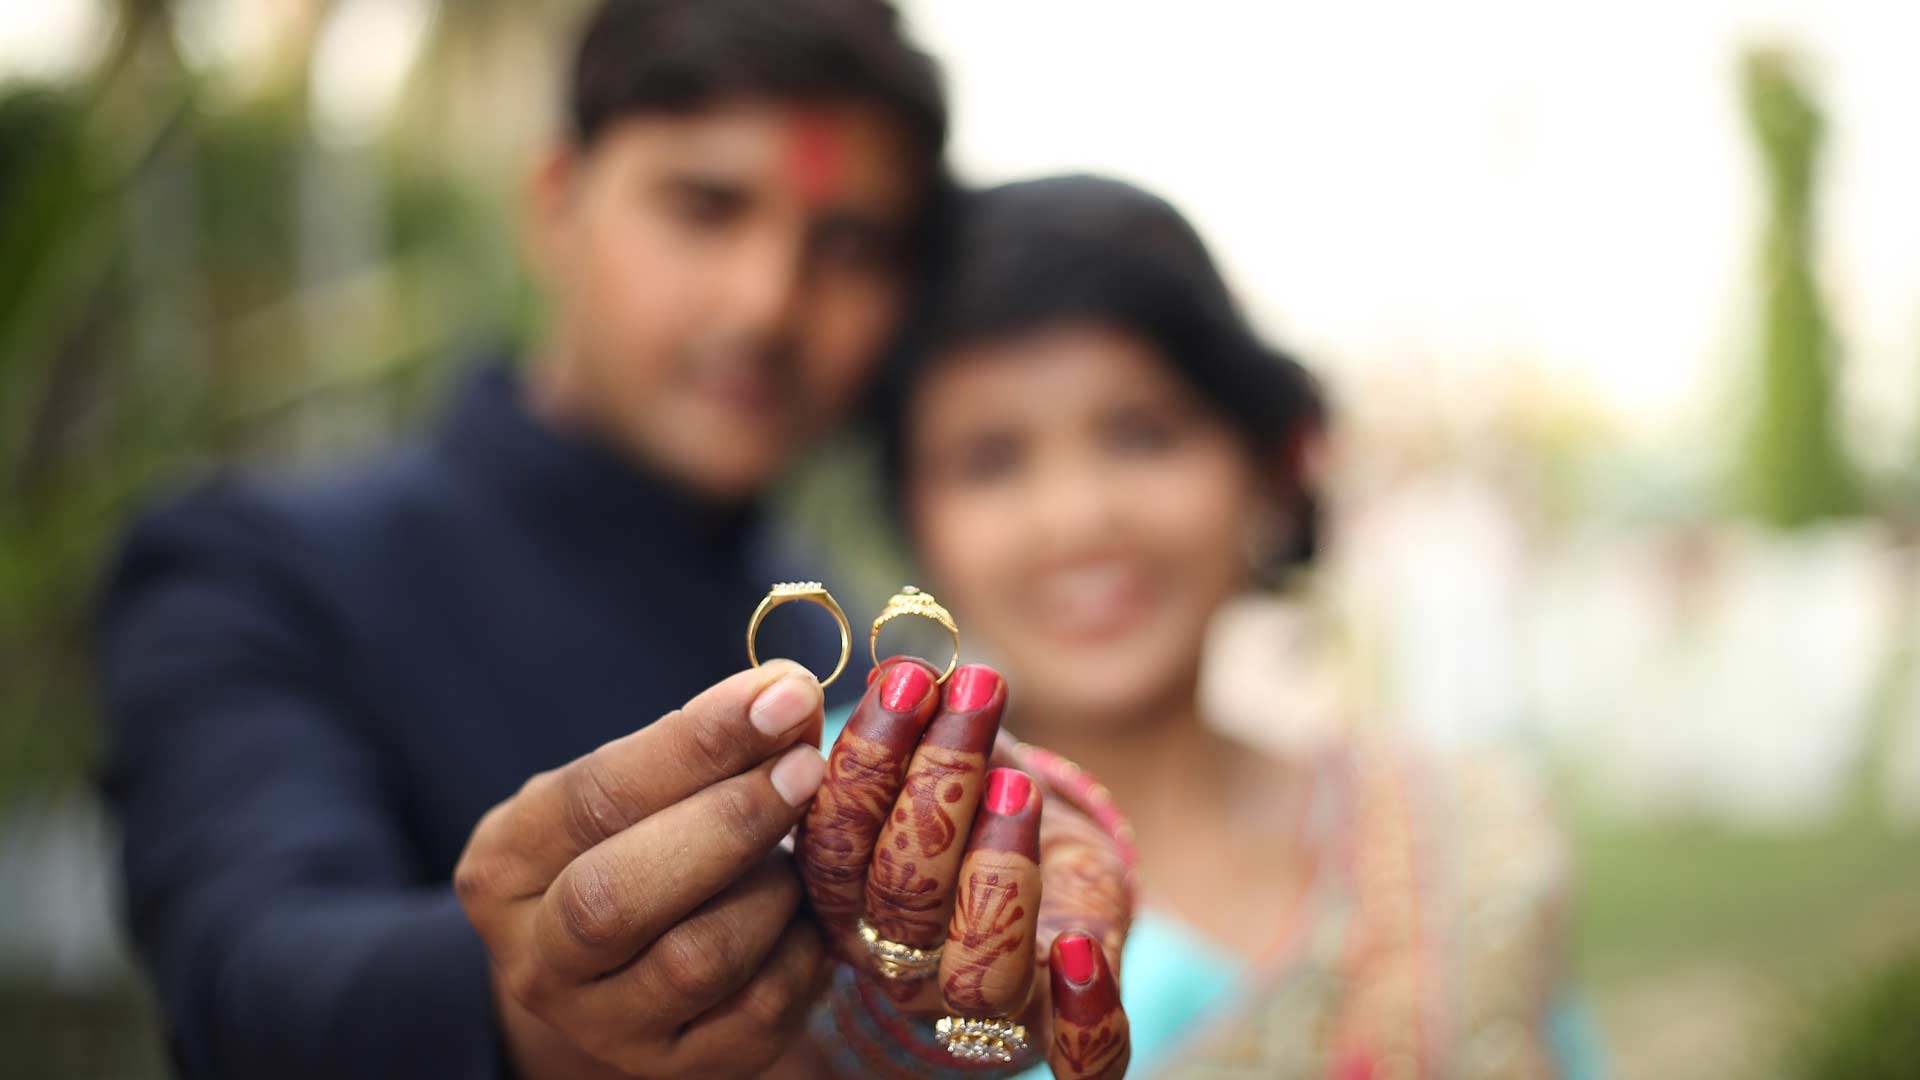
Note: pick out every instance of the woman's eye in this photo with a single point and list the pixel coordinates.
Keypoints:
(1139, 434)
(986, 460)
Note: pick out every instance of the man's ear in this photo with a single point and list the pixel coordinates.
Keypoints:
(548, 207)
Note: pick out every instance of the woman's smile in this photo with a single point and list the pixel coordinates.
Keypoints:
(1090, 602)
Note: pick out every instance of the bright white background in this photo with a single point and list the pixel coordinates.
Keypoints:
(1461, 188)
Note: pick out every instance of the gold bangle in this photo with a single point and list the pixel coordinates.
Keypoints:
(911, 601)
(815, 593)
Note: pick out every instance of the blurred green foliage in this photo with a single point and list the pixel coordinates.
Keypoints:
(1796, 466)
(162, 308)
(1871, 1032)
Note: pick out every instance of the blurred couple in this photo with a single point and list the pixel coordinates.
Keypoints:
(446, 765)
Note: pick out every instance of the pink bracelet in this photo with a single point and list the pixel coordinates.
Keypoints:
(1087, 795)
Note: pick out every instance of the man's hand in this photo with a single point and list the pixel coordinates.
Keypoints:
(640, 918)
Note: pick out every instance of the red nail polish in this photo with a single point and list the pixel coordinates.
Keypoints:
(906, 685)
(1007, 791)
(1074, 954)
(971, 687)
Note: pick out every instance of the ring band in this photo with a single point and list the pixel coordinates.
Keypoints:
(815, 593)
(989, 1038)
(896, 960)
(911, 601)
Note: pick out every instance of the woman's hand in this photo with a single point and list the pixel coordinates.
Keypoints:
(916, 836)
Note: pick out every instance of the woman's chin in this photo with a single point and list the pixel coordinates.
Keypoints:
(1112, 695)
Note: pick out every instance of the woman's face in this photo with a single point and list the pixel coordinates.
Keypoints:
(1081, 510)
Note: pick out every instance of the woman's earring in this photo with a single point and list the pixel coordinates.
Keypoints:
(1266, 544)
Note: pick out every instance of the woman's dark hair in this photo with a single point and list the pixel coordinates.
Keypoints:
(676, 56)
(1027, 256)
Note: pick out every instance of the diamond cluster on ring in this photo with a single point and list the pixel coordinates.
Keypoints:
(981, 1038)
(797, 588)
(911, 601)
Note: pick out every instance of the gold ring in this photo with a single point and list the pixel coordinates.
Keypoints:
(911, 601)
(812, 592)
(990, 1038)
(896, 960)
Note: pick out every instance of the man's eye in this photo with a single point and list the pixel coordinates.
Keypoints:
(852, 245)
(698, 204)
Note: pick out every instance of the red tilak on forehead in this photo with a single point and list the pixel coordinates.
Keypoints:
(816, 148)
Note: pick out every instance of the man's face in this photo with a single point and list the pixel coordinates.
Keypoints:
(723, 281)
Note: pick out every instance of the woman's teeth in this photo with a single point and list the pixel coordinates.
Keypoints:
(1088, 598)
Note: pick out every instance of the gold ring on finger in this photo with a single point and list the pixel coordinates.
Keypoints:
(897, 960)
(911, 601)
(814, 593)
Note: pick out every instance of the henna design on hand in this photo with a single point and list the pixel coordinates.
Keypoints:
(1085, 881)
(989, 962)
(864, 775)
(837, 837)
(1091, 1036)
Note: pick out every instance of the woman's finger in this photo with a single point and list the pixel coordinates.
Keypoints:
(864, 775)
(987, 967)
(1091, 1040)
(917, 858)
(1085, 880)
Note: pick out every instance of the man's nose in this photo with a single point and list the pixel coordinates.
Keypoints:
(768, 279)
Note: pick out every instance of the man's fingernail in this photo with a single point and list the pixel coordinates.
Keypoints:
(1074, 954)
(971, 687)
(797, 776)
(1007, 791)
(784, 705)
(906, 684)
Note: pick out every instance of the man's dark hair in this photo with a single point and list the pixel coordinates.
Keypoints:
(676, 56)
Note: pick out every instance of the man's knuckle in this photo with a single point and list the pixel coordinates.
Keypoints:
(537, 785)
(643, 1060)
(758, 1056)
(696, 965)
(767, 1002)
(590, 909)
(712, 746)
(475, 881)
(597, 806)
(739, 815)
(525, 980)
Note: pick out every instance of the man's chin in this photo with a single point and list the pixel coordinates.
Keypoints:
(729, 479)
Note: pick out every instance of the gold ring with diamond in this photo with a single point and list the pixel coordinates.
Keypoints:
(911, 601)
(898, 961)
(981, 1038)
(814, 593)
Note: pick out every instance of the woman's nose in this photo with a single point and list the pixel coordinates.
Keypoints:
(1078, 506)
